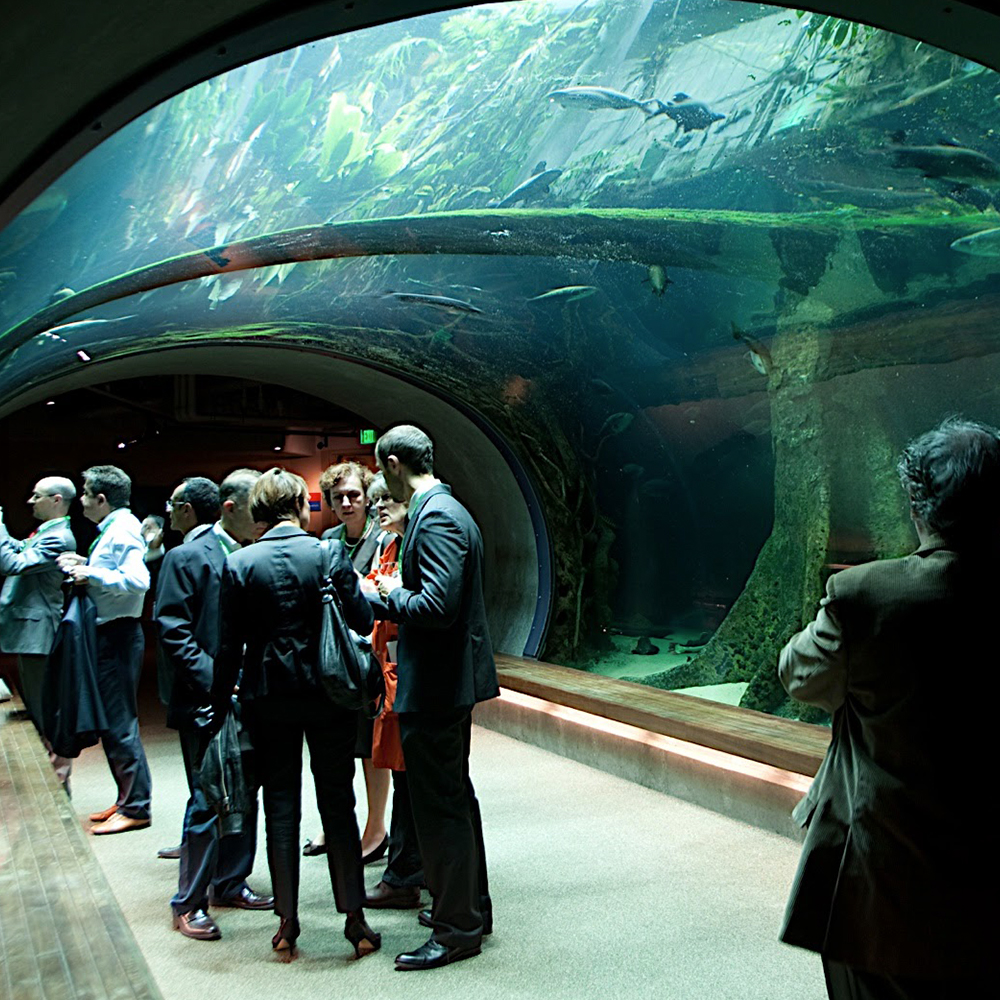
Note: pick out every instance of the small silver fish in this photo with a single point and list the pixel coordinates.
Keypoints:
(759, 355)
(985, 243)
(568, 292)
(441, 301)
(617, 423)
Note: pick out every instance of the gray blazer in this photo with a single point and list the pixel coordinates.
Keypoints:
(31, 602)
(897, 860)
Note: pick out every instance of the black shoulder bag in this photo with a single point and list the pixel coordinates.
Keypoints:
(349, 671)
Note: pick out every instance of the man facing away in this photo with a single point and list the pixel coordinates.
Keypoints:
(116, 579)
(445, 666)
(187, 616)
(31, 603)
(894, 872)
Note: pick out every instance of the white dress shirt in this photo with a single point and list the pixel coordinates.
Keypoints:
(117, 575)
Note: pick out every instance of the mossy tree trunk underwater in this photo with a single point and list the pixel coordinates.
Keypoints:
(784, 585)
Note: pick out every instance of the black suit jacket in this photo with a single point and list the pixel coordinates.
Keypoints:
(895, 869)
(270, 603)
(445, 658)
(187, 616)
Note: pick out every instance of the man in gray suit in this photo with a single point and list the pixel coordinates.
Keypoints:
(894, 874)
(31, 601)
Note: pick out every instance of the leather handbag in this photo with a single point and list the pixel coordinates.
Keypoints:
(349, 672)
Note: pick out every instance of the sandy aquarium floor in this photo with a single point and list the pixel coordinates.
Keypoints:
(601, 889)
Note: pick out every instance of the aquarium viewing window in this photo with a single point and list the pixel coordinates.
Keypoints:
(702, 267)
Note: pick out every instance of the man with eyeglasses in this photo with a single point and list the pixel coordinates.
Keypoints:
(116, 578)
(31, 601)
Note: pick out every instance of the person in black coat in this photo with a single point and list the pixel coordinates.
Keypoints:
(187, 617)
(445, 666)
(269, 627)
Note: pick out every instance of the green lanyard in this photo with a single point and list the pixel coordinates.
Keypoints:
(351, 549)
(41, 529)
(105, 524)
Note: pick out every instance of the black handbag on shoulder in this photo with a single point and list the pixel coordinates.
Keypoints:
(349, 671)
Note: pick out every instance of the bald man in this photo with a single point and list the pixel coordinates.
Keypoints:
(31, 602)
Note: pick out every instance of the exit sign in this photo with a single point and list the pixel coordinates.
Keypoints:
(367, 435)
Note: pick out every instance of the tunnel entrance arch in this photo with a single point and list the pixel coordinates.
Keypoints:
(470, 454)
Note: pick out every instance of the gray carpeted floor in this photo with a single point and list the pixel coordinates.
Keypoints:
(601, 889)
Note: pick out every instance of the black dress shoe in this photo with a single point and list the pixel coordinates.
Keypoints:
(169, 853)
(310, 849)
(197, 925)
(432, 955)
(376, 853)
(393, 897)
(245, 899)
(425, 919)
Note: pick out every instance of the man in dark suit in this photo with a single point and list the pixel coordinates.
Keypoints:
(31, 602)
(445, 666)
(890, 886)
(187, 615)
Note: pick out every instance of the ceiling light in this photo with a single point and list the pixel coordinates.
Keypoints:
(50, 402)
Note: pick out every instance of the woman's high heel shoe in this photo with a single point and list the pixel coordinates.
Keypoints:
(357, 931)
(284, 941)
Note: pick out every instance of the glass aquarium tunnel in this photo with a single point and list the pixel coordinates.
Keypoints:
(670, 282)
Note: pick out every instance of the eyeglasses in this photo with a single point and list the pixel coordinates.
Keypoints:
(41, 496)
(171, 504)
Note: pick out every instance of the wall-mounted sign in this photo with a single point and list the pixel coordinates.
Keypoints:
(314, 502)
(367, 435)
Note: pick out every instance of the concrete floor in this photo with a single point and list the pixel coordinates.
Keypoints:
(601, 889)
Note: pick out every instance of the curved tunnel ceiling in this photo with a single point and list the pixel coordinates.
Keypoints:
(65, 87)
(467, 455)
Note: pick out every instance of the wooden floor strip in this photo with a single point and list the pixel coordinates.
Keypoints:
(62, 933)
(793, 746)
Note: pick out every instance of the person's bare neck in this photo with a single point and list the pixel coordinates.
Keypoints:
(414, 483)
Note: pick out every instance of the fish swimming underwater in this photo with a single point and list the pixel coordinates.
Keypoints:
(943, 159)
(657, 279)
(568, 293)
(601, 99)
(441, 301)
(985, 243)
(534, 187)
(687, 114)
(83, 324)
(760, 356)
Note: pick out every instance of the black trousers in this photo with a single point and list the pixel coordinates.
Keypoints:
(449, 826)
(208, 860)
(119, 664)
(404, 868)
(277, 727)
(843, 982)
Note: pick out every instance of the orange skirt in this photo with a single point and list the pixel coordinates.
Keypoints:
(387, 748)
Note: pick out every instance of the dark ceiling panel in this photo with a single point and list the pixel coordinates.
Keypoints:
(69, 82)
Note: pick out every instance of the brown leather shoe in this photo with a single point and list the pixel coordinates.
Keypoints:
(103, 815)
(119, 823)
(198, 925)
(391, 897)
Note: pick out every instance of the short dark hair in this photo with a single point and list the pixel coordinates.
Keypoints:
(951, 475)
(410, 445)
(113, 482)
(203, 495)
(237, 486)
(277, 496)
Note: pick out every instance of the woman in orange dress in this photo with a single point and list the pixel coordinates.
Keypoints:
(399, 888)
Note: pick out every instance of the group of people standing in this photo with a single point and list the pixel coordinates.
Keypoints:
(238, 611)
